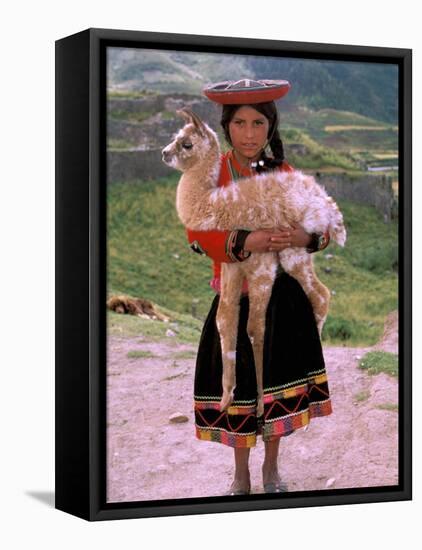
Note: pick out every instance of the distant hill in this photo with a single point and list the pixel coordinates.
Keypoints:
(369, 89)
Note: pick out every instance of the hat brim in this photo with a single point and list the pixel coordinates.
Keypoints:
(222, 94)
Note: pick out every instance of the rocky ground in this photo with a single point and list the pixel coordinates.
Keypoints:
(150, 457)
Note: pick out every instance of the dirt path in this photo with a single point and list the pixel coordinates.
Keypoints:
(151, 458)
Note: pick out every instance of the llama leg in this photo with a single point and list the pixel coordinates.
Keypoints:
(260, 284)
(320, 300)
(299, 265)
(227, 320)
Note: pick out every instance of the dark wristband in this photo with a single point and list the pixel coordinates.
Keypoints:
(313, 244)
(238, 242)
(318, 242)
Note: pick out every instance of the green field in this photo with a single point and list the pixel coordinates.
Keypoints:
(349, 138)
(149, 257)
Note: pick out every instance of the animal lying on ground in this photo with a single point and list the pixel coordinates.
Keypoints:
(135, 306)
(264, 201)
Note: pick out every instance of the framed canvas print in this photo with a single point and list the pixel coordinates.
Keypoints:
(233, 274)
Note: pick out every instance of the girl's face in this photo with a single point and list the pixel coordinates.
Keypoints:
(248, 131)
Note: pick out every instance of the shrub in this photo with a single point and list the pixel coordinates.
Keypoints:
(380, 361)
(337, 328)
(377, 259)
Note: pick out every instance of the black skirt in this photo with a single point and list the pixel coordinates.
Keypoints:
(294, 375)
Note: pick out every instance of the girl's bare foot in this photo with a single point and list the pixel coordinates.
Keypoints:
(271, 480)
(240, 485)
(242, 479)
(270, 474)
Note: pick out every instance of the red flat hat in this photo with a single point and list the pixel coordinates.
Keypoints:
(246, 91)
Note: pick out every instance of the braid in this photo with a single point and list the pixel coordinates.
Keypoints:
(277, 149)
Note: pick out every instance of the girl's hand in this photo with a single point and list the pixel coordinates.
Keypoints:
(299, 237)
(276, 240)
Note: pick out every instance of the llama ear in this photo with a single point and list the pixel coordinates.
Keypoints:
(190, 116)
(184, 113)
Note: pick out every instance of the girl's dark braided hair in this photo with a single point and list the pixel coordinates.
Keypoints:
(269, 110)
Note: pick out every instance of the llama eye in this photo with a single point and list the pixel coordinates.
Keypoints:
(187, 145)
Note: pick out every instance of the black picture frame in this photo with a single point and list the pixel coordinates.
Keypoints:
(81, 285)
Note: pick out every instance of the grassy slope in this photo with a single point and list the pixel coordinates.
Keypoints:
(357, 138)
(148, 252)
(148, 256)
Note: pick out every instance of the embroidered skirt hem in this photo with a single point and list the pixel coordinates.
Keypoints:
(295, 380)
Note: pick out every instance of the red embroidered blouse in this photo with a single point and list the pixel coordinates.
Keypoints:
(215, 244)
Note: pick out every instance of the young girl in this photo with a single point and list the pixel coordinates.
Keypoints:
(294, 377)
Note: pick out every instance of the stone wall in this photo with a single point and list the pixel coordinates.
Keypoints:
(146, 139)
(143, 160)
(371, 189)
(161, 121)
(130, 166)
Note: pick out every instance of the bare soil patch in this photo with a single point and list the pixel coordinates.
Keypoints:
(151, 458)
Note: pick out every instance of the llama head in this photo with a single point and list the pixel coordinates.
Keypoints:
(194, 143)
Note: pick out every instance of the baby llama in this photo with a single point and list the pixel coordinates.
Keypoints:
(264, 201)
